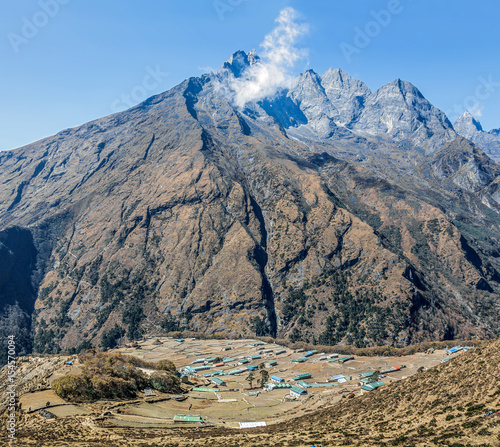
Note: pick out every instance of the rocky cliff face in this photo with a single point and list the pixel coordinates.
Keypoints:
(471, 129)
(325, 213)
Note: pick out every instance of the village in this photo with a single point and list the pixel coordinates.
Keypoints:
(231, 383)
(246, 383)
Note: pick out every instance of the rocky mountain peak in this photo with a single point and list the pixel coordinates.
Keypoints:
(307, 79)
(309, 94)
(338, 83)
(402, 88)
(400, 110)
(239, 61)
(466, 125)
(253, 57)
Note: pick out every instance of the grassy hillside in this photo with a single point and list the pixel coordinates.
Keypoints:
(441, 406)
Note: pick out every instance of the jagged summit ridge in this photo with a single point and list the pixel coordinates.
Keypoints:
(466, 125)
(400, 110)
(336, 105)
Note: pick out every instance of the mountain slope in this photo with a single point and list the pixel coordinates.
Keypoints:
(326, 213)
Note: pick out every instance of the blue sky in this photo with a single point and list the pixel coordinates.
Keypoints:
(66, 62)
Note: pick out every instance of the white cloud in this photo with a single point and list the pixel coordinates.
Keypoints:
(476, 110)
(207, 69)
(278, 59)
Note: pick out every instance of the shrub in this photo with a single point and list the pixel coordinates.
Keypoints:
(484, 432)
(170, 325)
(166, 365)
(113, 376)
(471, 424)
(258, 326)
(164, 382)
(72, 387)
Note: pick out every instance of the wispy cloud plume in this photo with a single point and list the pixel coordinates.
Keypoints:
(476, 110)
(279, 56)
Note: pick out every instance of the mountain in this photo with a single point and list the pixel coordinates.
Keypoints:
(325, 212)
(471, 129)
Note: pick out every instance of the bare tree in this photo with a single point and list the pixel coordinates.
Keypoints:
(264, 375)
(250, 378)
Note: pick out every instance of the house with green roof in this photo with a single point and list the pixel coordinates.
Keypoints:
(188, 418)
(300, 360)
(218, 382)
(372, 386)
(297, 392)
(302, 376)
